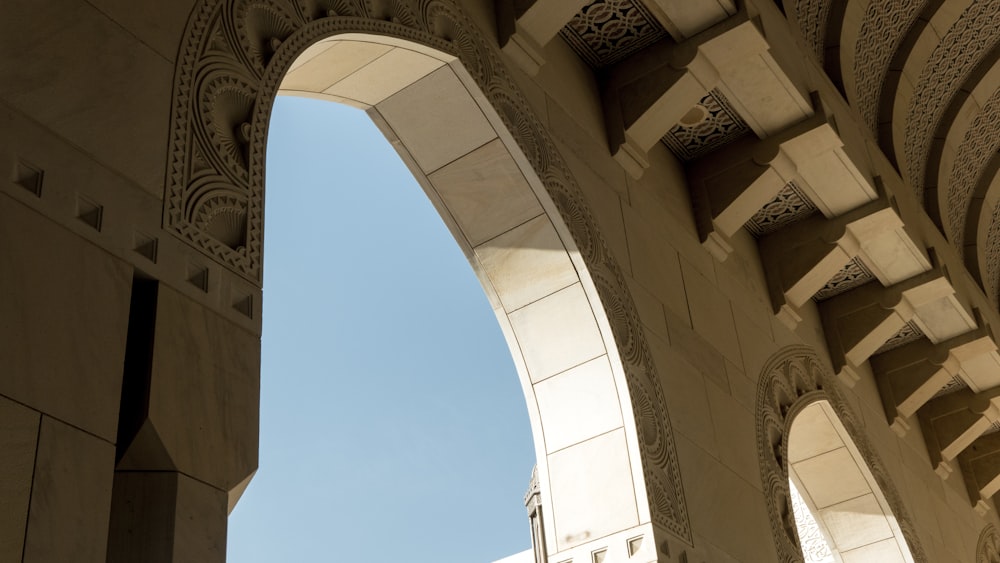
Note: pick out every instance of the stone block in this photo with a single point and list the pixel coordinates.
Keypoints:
(63, 321)
(70, 496)
(18, 439)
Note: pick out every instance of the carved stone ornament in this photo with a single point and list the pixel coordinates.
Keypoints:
(884, 27)
(981, 142)
(718, 124)
(988, 548)
(607, 31)
(789, 206)
(812, 16)
(232, 59)
(991, 278)
(966, 43)
(792, 379)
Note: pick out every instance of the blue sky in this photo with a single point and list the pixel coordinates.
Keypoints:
(393, 426)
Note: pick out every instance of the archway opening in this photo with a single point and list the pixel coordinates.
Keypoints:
(388, 398)
(500, 214)
(841, 514)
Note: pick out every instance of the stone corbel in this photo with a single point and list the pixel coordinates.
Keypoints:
(859, 321)
(524, 27)
(648, 93)
(731, 185)
(953, 422)
(909, 376)
(980, 466)
(801, 258)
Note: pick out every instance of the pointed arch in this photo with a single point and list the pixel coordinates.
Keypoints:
(233, 59)
(793, 379)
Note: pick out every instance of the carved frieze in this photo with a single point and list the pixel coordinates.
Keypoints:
(606, 31)
(972, 36)
(981, 142)
(812, 16)
(883, 29)
(789, 206)
(710, 124)
(852, 275)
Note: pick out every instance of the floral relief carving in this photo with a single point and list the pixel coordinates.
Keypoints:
(231, 61)
(793, 378)
(973, 35)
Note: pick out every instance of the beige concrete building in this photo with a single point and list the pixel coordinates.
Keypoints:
(738, 249)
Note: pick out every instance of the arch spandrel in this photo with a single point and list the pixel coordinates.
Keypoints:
(791, 380)
(233, 60)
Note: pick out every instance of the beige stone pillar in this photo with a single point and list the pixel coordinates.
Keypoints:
(188, 433)
(166, 517)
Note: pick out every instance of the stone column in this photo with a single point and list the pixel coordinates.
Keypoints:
(188, 431)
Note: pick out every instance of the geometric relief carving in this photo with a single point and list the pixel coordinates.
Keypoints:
(230, 65)
(607, 31)
(972, 36)
(793, 378)
(854, 274)
(710, 124)
(993, 428)
(812, 16)
(988, 547)
(908, 333)
(955, 384)
(884, 27)
(991, 283)
(789, 206)
(981, 142)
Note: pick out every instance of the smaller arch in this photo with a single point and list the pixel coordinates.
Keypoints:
(583, 405)
(838, 491)
(988, 547)
(792, 381)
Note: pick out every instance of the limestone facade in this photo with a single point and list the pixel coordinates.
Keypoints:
(735, 247)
